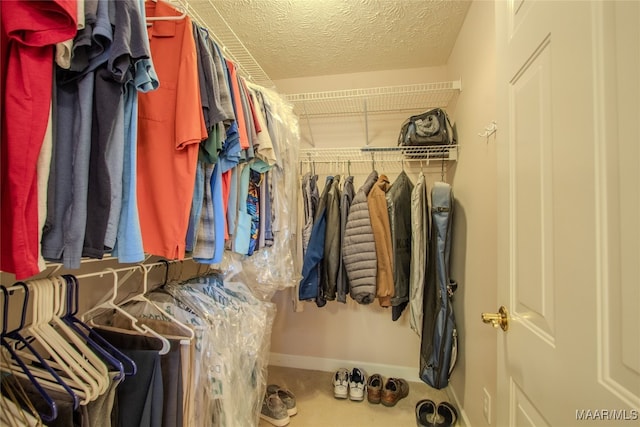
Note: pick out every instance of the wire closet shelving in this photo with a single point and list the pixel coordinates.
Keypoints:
(403, 98)
(387, 158)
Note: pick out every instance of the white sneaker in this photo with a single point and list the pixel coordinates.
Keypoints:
(357, 381)
(341, 384)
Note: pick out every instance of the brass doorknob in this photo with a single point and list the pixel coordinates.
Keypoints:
(501, 318)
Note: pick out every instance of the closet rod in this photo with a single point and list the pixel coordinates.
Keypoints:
(131, 268)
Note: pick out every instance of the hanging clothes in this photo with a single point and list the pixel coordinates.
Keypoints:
(64, 232)
(358, 246)
(342, 282)
(332, 243)
(143, 78)
(171, 126)
(398, 199)
(312, 266)
(28, 34)
(382, 235)
(310, 197)
(419, 252)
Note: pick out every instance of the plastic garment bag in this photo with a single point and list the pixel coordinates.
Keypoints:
(232, 330)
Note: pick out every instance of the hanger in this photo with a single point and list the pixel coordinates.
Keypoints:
(105, 349)
(83, 372)
(57, 359)
(141, 297)
(111, 305)
(16, 408)
(179, 7)
(26, 372)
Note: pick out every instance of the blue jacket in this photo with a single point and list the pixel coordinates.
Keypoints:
(315, 252)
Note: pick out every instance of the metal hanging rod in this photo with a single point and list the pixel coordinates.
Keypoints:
(379, 154)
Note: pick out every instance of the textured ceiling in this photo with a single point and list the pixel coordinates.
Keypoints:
(303, 38)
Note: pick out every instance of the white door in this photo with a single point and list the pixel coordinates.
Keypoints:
(569, 212)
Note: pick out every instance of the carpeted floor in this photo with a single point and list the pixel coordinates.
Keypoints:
(318, 407)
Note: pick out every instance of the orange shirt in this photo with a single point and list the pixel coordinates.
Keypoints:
(237, 105)
(170, 128)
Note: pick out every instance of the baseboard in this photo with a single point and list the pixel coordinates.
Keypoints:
(463, 420)
(410, 373)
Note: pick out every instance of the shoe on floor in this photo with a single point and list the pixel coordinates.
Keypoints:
(287, 397)
(374, 388)
(394, 390)
(274, 411)
(447, 415)
(425, 413)
(341, 384)
(357, 381)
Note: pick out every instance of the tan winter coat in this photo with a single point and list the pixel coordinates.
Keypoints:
(379, 214)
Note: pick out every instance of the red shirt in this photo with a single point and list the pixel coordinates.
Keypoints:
(30, 29)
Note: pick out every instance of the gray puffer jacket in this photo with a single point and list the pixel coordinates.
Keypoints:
(358, 246)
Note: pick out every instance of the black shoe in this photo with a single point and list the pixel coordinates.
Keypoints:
(425, 413)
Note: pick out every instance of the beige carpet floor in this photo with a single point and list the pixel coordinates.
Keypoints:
(318, 407)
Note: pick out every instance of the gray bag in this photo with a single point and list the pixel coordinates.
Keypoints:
(438, 349)
(429, 128)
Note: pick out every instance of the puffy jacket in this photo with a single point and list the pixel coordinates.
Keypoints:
(398, 203)
(382, 236)
(359, 248)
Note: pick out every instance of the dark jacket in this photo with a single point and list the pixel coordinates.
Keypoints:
(332, 242)
(399, 206)
(348, 192)
(312, 265)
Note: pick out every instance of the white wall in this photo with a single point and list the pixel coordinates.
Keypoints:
(347, 334)
(474, 248)
(365, 334)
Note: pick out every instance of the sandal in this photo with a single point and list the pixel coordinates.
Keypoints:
(425, 413)
(447, 415)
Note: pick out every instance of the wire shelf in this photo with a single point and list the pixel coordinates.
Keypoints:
(378, 154)
(375, 100)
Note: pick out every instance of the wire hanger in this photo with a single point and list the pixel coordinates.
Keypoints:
(111, 305)
(141, 297)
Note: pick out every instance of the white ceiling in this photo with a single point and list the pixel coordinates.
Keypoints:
(303, 38)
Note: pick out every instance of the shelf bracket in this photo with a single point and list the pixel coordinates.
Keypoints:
(366, 121)
(304, 106)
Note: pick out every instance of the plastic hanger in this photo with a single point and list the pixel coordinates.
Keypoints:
(54, 366)
(111, 305)
(16, 408)
(69, 321)
(104, 348)
(141, 297)
(97, 368)
(26, 372)
(179, 7)
(78, 372)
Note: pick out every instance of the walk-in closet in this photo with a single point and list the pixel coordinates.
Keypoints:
(240, 213)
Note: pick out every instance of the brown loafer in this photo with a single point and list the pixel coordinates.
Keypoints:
(374, 388)
(394, 390)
